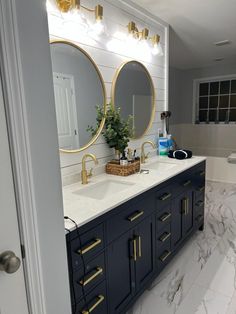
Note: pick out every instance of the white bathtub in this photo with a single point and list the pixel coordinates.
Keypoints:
(218, 169)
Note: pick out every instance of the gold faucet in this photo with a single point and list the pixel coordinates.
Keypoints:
(143, 156)
(84, 174)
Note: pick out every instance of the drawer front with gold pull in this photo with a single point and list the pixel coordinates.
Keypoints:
(99, 299)
(86, 279)
(163, 218)
(91, 277)
(135, 216)
(164, 256)
(165, 236)
(187, 183)
(96, 301)
(87, 245)
(90, 246)
(165, 197)
(129, 216)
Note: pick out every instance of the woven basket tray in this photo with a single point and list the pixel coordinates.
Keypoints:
(118, 170)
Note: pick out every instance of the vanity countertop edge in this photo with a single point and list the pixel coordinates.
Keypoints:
(83, 209)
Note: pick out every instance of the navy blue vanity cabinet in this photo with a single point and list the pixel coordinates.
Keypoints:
(131, 264)
(115, 257)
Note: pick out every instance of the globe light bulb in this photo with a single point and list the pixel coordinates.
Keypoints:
(157, 50)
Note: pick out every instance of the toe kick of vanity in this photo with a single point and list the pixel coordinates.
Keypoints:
(115, 257)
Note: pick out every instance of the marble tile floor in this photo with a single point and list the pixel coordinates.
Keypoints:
(201, 279)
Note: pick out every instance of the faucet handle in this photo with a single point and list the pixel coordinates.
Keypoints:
(90, 173)
(146, 156)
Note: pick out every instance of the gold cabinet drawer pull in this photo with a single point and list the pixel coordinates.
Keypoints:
(202, 173)
(199, 218)
(200, 203)
(187, 183)
(165, 236)
(90, 247)
(136, 216)
(165, 196)
(164, 217)
(101, 298)
(139, 246)
(98, 272)
(165, 255)
(201, 188)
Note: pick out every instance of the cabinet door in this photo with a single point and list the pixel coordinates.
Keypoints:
(121, 278)
(187, 213)
(176, 222)
(145, 241)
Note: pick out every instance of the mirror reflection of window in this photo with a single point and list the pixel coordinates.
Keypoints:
(78, 89)
(134, 94)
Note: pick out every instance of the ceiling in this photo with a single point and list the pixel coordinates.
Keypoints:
(195, 26)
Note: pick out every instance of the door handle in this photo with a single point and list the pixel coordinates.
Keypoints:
(139, 247)
(9, 262)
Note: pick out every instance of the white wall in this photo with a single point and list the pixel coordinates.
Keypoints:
(117, 20)
(208, 139)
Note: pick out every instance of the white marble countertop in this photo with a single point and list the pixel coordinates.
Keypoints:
(84, 209)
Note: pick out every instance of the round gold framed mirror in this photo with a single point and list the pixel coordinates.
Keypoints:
(79, 89)
(133, 91)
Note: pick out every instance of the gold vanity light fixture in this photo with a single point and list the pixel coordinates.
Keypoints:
(66, 6)
(143, 36)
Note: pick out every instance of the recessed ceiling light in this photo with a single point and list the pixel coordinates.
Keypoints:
(222, 43)
(218, 59)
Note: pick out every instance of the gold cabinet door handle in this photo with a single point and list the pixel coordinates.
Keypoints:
(165, 236)
(165, 196)
(135, 216)
(187, 183)
(185, 206)
(135, 249)
(89, 247)
(139, 247)
(201, 188)
(165, 255)
(98, 272)
(101, 298)
(164, 217)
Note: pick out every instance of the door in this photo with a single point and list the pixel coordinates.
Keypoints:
(12, 284)
(182, 218)
(121, 279)
(67, 122)
(144, 266)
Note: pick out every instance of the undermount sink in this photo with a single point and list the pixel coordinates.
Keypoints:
(101, 190)
(161, 166)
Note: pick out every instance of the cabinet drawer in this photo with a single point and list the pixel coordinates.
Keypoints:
(87, 245)
(163, 237)
(163, 197)
(199, 205)
(183, 182)
(94, 274)
(199, 190)
(163, 256)
(163, 218)
(96, 302)
(129, 217)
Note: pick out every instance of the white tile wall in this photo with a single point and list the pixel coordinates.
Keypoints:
(117, 15)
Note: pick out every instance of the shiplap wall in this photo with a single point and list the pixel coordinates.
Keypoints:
(117, 15)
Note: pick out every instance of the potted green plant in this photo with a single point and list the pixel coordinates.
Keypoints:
(117, 131)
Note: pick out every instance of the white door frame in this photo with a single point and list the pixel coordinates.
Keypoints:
(14, 89)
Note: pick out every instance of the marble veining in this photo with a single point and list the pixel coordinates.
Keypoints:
(201, 279)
